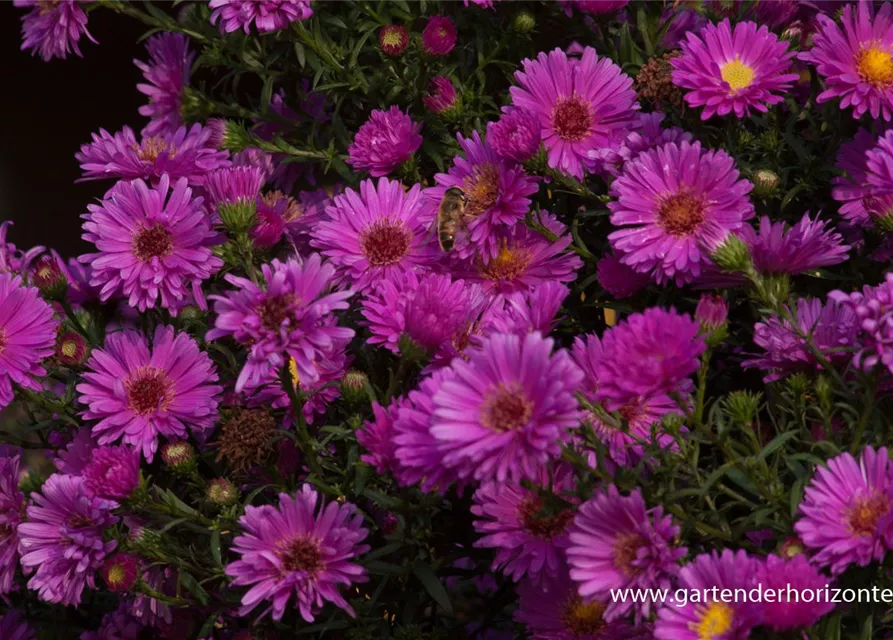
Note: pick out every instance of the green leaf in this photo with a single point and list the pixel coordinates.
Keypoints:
(215, 548)
(194, 587)
(299, 51)
(776, 443)
(433, 586)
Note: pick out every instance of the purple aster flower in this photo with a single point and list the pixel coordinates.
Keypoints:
(728, 70)
(166, 74)
(53, 29)
(832, 327)
(845, 508)
(139, 393)
(381, 230)
(593, 7)
(439, 36)
(12, 508)
(13, 260)
(712, 311)
(496, 195)
(76, 454)
(853, 190)
(582, 104)
(27, 336)
(516, 136)
(507, 411)
(510, 520)
(377, 436)
(675, 201)
(795, 573)
(618, 279)
(647, 134)
(117, 625)
(266, 15)
(873, 310)
(289, 318)
(14, 626)
(616, 542)
(186, 153)
(62, 541)
(532, 310)
(553, 610)
(648, 354)
(113, 472)
(879, 164)
(384, 142)
(856, 59)
(807, 245)
(441, 94)
(229, 186)
(302, 548)
(714, 618)
(682, 21)
(153, 243)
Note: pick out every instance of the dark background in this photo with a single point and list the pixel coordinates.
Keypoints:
(47, 111)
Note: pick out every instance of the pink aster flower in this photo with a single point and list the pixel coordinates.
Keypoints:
(380, 231)
(302, 548)
(154, 245)
(27, 336)
(853, 189)
(648, 133)
(166, 74)
(855, 59)
(441, 94)
(516, 136)
(75, 455)
(532, 310)
(384, 142)
(289, 318)
(844, 513)
(673, 202)
(699, 620)
(138, 392)
(62, 543)
(265, 15)
(393, 39)
(682, 21)
(728, 70)
(508, 409)
(14, 260)
(510, 520)
(873, 311)
(648, 354)
(833, 328)
(113, 472)
(618, 279)
(377, 436)
(53, 29)
(12, 508)
(496, 195)
(582, 104)
(439, 36)
(879, 164)
(121, 571)
(186, 153)
(808, 245)
(796, 573)
(616, 542)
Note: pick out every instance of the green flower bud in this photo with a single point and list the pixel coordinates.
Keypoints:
(732, 255)
(765, 183)
(524, 22)
(353, 386)
(222, 493)
(239, 216)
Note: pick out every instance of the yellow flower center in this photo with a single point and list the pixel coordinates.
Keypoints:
(69, 349)
(293, 370)
(875, 66)
(507, 265)
(581, 618)
(715, 620)
(116, 575)
(392, 38)
(681, 213)
(737, 74)
(863, 516)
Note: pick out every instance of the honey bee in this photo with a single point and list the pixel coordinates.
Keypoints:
(451, 217)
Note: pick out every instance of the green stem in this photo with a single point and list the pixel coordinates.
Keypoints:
(76, 322)
(304, 440)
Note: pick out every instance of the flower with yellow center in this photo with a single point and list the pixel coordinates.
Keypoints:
(737, 74)
(875, 66)
(714, 620)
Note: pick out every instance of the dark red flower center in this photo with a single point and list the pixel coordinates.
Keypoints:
(506, 409)
(865, 513)
(3, 339)
(148, 390)
(46, 6)
(385, 242)
(543, 526)
(571, 119)
(274, 310)
(46, 272)
(508, 264)
(626, 548)
(301, 554)
(482, 189)
(682, 213)
(5, 531)
(153, 242)
(584, 620)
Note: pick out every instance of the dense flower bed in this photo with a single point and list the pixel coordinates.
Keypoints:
(449, 320)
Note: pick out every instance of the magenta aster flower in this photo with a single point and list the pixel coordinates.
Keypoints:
(441, 94)
(14, 626)
(13, 260)
(647, 134)
(618, 279)
(715, 618)
(516, 136)
(582, 104)
(384, 142)
(233, 186)
(833, 328)
(853, 190)
(855, 59)
(682, 21)
(712, 311)
(510, 520)
(533, 310)
(287, 319)
(166, 74)
(186, 153)
(75, 455)
(843, 516)
(153, 243)
(508, 410)
(113, 472)
(377, 436)
(12, 508)
(27, 336)
(496, 191)
(672, 201)
(648, 354)
(439, 36)
(120, 571)
(381, 230)
(779, 572)
(302, 548)
(62, 541)
(879, 163)
(393, 38)
(872, 308)
(117, 625)
(139, 393)
(616, 542)
(807, 245)
(265, 15)
(728, 70)
(53, 29)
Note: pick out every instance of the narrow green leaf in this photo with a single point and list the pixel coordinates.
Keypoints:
(215, 548)
(194, 587)
(433, 586)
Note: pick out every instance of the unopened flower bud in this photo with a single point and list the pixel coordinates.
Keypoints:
(393, 38)
(765, 183)
(712, 311)
(791, 548)
(353, 385)
(221, 492)
(732, 254)
(71, 348)
(524, 22)
(236, 136)
(179, 456)
(121, 571)
(239, 216)
(880, 209)
(49, 278)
